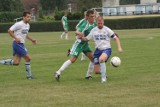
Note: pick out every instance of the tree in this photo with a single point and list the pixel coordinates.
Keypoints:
(11, 5)
(48, 6)
(60, 4)
(30, 4)
(88, 4)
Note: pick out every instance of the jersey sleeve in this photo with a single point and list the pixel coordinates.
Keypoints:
(80, 23)
(82, 26)
(110, 32)
(15, 27)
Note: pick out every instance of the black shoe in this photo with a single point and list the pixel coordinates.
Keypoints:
(89, 78)
(68, 52)
(57, 76)
(30, 78)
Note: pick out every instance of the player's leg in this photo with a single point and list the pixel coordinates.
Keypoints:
(28, 66)
(66, 64)
(6, 62)
(16, 58)
(90, 66)
(62, 35)
(102, 60)
(75, 51)
(66, 34)
(15, 61)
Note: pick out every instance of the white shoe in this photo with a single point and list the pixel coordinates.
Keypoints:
(103, 80)
(2, 62)
(57, 76)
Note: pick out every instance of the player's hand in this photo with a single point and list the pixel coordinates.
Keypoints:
(34, 41)
(120, 50)
(79, 34)
(17, 40)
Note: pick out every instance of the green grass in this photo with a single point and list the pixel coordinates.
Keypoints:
(136, 83)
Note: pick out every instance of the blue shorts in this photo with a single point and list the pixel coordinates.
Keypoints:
(19, 49)
(98, 53)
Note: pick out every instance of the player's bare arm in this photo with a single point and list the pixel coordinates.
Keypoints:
(11, 33)
(31, 39)
(116, 39)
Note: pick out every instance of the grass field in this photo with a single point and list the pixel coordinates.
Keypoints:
(136, 83)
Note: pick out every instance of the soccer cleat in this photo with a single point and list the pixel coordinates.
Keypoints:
(89, 78)
(57, 76)
(68, 52)
(30, 77)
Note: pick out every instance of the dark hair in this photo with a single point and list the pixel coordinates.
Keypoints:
(25, 13)
(89, 12)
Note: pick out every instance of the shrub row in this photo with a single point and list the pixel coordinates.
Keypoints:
(134, 23)
(9, 16)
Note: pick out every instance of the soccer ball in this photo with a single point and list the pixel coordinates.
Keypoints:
(115, 61)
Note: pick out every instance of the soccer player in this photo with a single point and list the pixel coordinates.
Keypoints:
(101, 36)
(81, 46)
(83, 57)
(19, 32)
(65, 26)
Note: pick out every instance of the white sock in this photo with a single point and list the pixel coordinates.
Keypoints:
(66, 35)
(90, 69)
(64, 66)
(6, 62)
(62, 35)
(103, 70)
(83, 56)
(28, 69)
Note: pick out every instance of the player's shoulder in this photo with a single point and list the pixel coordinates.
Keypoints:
(19, 23)
(106, 28)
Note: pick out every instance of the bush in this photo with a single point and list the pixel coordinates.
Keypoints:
(9, 16)
(134, 23)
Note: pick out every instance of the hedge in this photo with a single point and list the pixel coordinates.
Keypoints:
(134, 23)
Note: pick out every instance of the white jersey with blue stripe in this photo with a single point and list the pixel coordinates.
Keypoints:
(101, 37)
(20, 30)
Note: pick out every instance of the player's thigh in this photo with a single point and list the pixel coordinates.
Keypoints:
(88, 52)
(90, 56)
(73, 59)
(103, 57)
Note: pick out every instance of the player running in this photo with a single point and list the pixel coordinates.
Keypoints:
(19, 32)
(81, 46)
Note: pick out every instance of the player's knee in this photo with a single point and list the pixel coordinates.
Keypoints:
(101, 60)
(73, 61)
(16, 63)
(97, 72)
(28, 59)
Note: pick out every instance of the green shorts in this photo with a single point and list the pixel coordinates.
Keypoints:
(79, 47)
(66, 28)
